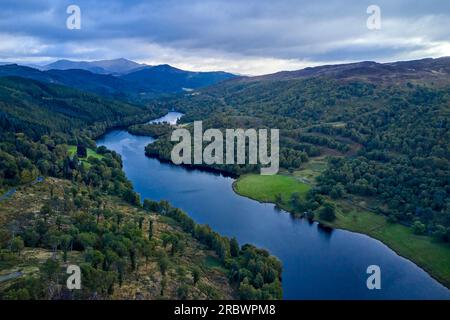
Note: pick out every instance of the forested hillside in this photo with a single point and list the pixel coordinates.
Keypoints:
(36, 108)
(385, 126)
(102, 84)
(63, 200)
(125, 251)
(383, 129)
(141, 85)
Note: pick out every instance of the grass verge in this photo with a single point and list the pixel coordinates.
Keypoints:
(432, 256)
(266, 188)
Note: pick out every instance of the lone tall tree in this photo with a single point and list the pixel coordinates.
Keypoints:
(81, 151)
(327, 212)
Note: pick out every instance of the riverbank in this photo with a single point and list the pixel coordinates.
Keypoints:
(430, 255)
(194, 167)
(318, 262)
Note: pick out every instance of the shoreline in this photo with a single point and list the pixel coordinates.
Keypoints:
(444, 282)
(192, 167)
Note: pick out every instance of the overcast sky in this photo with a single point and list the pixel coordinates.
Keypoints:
(242, 36)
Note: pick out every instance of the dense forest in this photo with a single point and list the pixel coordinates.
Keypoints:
(384, 129)
(40, 124)
(35, 109)
(385, 134)
(140, 84)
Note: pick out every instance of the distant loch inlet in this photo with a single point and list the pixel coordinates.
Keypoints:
(170, 118)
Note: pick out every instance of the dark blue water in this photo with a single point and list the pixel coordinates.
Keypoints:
(318, 263)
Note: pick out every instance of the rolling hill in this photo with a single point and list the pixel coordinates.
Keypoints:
(138, 87)
(37, 108)
(437, 69)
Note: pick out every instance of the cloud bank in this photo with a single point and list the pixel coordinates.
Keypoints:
(246, 37)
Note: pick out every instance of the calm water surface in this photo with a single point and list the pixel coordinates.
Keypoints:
(318, 263)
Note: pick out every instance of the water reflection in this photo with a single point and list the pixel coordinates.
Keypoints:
(318, 262)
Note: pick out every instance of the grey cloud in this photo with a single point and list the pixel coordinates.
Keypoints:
(290, 29)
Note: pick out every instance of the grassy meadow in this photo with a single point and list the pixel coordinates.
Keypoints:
(432, 256)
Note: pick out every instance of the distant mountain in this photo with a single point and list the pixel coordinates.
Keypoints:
(67, 64)
(34, 66)
(166, 78)
(369, 70)
(144, 84)
(105, 85)
(25, 72)
(115, 66)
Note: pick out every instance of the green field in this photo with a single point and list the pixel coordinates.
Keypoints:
(90, 153)
(266, 188)
(432, 256)
(72, 150)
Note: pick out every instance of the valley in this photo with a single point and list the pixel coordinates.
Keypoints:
(363, 157)
(308, 251)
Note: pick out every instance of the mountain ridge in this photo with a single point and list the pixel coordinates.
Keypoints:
(143, 84)
(151, 78)
(427, 67)
(112, 66)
